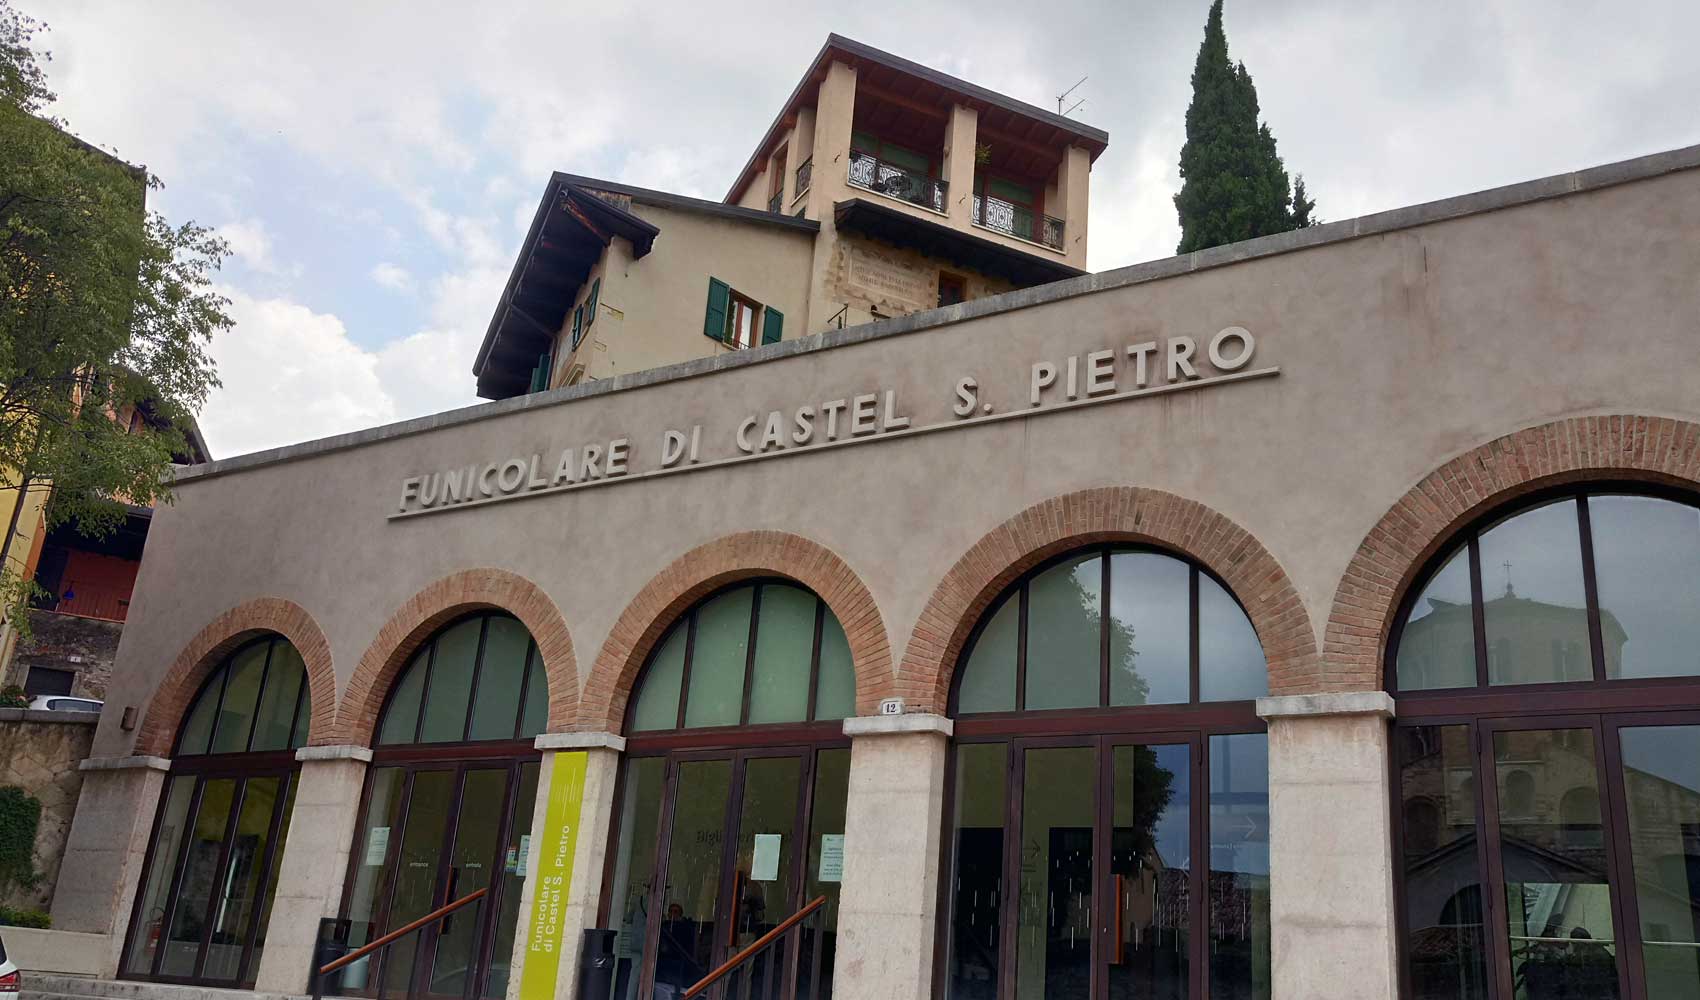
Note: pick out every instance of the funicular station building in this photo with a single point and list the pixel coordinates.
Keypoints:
(1309, 617)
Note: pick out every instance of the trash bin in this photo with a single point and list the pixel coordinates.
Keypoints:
(596, 964)
(331, 945)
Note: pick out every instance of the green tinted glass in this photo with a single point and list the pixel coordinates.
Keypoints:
(198, 729)
(274, 724)
(658, 700)
(717, 662)
(401, 718)
(835, 692)
(241, 695)
(785, 644)
(450, 691)
(534, 715)
(988, 679)
(495, 709)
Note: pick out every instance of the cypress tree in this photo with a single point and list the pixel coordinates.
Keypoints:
(1234, 186)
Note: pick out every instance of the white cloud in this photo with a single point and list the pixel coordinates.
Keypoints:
(290, 374)
(393, 276)
(250, 243)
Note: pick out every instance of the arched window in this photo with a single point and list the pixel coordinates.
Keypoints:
(754, 654)
(447, 811)
(730, 814)
(200, 915)
(478, 679)
(1109, 760)
(255, 701)
(1547, 670)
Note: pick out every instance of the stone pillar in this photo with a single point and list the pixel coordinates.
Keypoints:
(594, 822)
(886, 915)
(961, 136)
(802, 148)
(835, 109)
(1333, 917)
(1074, 180)
(315, 862)
(106, 848)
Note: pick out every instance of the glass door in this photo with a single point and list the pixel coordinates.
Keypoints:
(731, 870)
(1550, 853)
(215, 851)
(1106, 890)
(432, 834)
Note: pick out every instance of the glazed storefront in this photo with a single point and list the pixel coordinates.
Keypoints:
(1308, 618)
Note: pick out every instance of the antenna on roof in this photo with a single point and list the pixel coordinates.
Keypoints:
(1064, 97)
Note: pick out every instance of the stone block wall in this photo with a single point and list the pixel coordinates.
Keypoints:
(40, 752)
(86, 647)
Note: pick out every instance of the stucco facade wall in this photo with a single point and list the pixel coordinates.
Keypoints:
(39, 753)
(1396, 351)
(650, 310)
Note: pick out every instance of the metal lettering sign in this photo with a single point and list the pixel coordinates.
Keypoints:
(1109, 375)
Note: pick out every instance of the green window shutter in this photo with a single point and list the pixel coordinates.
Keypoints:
(540, 374)
(578, 325)
(719, 300)
(590, 305)
(773, 321)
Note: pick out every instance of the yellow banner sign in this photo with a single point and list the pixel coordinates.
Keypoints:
(553, 877)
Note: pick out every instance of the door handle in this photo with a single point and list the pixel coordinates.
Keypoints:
(1116, 955)
(737, 894)
(454, 877)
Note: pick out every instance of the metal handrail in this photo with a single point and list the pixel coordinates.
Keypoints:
(726, 968)
(392, 937)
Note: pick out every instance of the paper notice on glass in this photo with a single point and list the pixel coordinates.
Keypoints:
(524, 854)
(831, 857)
(764, 867)
(377, 845)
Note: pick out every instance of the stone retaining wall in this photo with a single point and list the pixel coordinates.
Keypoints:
(39, 752)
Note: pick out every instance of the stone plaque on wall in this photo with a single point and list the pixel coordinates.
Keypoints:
(887, 278)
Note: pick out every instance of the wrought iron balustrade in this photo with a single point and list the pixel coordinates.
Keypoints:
(775, 203)
(1018, 221)
(871, 173)
(805, 171)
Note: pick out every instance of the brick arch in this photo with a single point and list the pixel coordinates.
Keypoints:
(1429, 515)
(217, 640)
(707, 568)
(1096, 516)
(435, 606)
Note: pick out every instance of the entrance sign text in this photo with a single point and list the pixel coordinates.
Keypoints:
(554, 877)
(1137, 370)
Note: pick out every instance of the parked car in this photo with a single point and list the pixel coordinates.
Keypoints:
(8, 973)
(61, 703)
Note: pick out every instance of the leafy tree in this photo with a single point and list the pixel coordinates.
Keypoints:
(1302, 205)
(1234, 185)
(106, 311)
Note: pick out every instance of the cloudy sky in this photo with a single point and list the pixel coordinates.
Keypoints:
(373, 165)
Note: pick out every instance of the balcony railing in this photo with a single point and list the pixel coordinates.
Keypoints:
(871, 173)
(1018, 221)
(777, 202)
(805, 171)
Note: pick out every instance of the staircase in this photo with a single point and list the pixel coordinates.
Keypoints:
(47, 986)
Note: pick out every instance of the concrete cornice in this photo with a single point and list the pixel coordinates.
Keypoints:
(581, 741)
(1494, 199)
(341, 751)
(895, 725)
(51, 717)
(1293, 706)
(124, 763)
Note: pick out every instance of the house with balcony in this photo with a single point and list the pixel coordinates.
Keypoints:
(881, 188)
(85, 583)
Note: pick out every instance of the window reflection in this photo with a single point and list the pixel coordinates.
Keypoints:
(1662, 787)
(1443, 901)
(1239, 866)
(1533, 602)
(1558, 898)
(1437, 647)
(1647, 564)
(977, 882)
